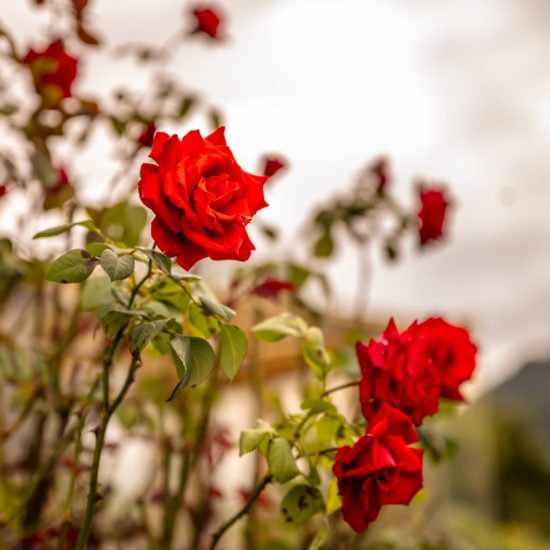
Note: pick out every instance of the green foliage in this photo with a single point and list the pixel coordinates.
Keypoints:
(60, 229)
(256, 438)
(143, 333)
(233, 348)
(281, 461)
(96, 291)
(194, 359)
(158, 258)
(301, 503)
(113, 317)
(279, 327)
(117, 267)
(214, 308)
(74, 266)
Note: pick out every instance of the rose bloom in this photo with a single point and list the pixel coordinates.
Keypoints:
(452, 353)
(201, 197)
(272, 165)
(379, 469)
(3, 190)
(397, 370)
(207, 21)
(431, 216)
(53, 71)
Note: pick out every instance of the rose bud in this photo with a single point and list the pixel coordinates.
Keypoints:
(272, 165)
(207, 20)
(432, 212)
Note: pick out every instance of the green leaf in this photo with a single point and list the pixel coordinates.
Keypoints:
(177, 390)
(249, 440)
(315, 354)
(117, 267)
(233, 348)
(96, 291)
(318, 405)
(320, 536)
(324, 246)
(143, 334)
(181, 352)
(203, 360)
(96, 249)
(277, 328)
(113, 317)
(334, 501)
(194, 359)
(214, 308)
(280, 460)
(74, 266)
(301, 503)
(185, 105)
(159, 259)
(60, 229)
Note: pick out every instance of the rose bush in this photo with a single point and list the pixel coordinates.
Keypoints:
(201, 197)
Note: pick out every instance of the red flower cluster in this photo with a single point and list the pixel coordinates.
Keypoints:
(208, 21)
(431, 215)
(412, 370)
(53, 71)
(379, 469)
(404, 375)
(201, 197)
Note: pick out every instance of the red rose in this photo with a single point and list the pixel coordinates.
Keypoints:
(272, 288)
(207, 21)
(397, 370)
(53, 71)
(147, 135)
(272, 166)
(3, 190)
(433, 207)
(201, 197)
(379, 469)
(452, 353)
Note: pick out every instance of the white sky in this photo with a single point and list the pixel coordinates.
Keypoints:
(456, 91)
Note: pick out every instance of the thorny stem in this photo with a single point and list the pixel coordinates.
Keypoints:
(107, 412)
(100, 442)
(229, 523)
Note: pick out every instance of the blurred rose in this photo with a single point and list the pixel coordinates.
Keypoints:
(53, 71)
(433, 208)
(271, 289)
(207, 21)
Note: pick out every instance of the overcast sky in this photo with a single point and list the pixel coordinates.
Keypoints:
(456, 91)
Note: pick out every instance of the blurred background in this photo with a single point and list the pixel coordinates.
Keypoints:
(453, 91)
